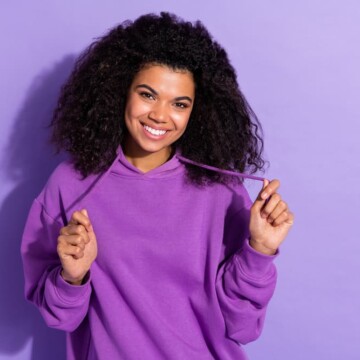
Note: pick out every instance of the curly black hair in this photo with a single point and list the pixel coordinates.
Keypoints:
(88, 121)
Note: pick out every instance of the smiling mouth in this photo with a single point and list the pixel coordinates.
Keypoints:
(154, 132)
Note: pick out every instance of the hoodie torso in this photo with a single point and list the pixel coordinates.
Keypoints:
(157, 288)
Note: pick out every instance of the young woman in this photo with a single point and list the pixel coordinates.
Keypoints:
(145, 244)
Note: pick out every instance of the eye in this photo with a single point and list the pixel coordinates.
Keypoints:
(147, 95)
(181, 105)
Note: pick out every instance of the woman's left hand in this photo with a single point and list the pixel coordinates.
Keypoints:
(270, 221)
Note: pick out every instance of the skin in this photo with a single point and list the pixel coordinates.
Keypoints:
(162, 98)
(270, 221)
(77, 247)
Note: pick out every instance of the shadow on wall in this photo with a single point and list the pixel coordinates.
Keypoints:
(29, 162)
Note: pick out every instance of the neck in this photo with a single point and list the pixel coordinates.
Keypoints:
(143, 160)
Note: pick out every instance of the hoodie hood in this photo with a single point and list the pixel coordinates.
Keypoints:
(82, 187)
(124, 168)
(173, 166)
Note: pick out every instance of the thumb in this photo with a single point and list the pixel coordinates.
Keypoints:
(259, 201)
(84, 212)
(89, 227)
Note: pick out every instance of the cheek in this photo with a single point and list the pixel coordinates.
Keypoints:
(135, 108)
(181, 121)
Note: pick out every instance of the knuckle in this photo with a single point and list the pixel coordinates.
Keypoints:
(78, 239)
(79, 228)
(78, 252)
(75, 216)
(276, 197)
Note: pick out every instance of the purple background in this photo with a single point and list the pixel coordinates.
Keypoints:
(298, 64)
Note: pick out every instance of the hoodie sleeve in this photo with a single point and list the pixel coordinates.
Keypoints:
(63, 306)
(245, 281)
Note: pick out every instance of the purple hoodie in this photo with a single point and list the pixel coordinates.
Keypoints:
(175, 277)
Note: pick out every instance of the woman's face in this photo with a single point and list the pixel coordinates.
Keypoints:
(158, 109)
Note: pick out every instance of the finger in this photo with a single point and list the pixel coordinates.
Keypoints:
(66, 250)
(74, 240)
(82, 218)
(280, 207)
(265, 184)
(270, 205)
(269, 189)
(285, 217)
(72, 229)
(290, 219)
(75, 230)
(280, 219)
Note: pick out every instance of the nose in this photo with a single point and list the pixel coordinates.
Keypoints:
(158, 113)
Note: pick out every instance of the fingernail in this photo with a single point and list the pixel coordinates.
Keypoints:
(264, 195)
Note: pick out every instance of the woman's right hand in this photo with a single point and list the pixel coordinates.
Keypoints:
(77, 247)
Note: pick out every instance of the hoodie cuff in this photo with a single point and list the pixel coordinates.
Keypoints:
(255, 264)
(71, 293)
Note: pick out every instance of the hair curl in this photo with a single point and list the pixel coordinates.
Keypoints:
(88, 121)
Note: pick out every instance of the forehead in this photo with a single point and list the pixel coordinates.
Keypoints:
(165, 79)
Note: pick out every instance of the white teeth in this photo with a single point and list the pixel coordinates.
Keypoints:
(153, 131)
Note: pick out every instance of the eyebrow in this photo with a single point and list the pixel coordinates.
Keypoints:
(179, 98)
